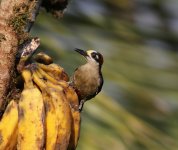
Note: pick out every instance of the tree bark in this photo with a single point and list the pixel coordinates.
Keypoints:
(16, 19)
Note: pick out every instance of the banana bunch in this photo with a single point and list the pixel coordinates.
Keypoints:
(46, 117)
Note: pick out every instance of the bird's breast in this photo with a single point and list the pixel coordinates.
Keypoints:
(86, 80)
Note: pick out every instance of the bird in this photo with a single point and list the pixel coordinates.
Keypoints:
(87, 80)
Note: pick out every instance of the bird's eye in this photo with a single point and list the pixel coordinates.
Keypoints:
(94, 55)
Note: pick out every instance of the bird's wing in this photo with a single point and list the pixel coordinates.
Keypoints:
(101, 84)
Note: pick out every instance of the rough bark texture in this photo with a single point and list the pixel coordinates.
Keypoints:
(16, 19)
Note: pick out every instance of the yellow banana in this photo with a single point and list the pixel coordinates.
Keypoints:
(51, 121)
(43, 82)
(62, 109)
(51, 67)
(55, 71)
(8, 127)
(64, 118)
(52, 124)
(51, 79)
(62, 95)
(74, 103)
(46, 76)
(72, 99)
(31, 116)
(13, 141)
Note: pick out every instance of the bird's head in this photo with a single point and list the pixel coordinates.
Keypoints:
(91, 56)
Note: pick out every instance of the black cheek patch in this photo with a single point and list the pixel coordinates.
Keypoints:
(98, 57)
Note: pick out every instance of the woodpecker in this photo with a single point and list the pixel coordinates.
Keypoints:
(87, 79)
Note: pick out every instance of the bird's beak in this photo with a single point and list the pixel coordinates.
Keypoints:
(82, 52)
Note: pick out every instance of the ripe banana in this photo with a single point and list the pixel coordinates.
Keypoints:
(50, 79)
(51, 122)
(72, 99)
(46, 76)
(8, 127)
(64, 118)
(31, 116)
(61, 106)
(75, 133)
(55, 71)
